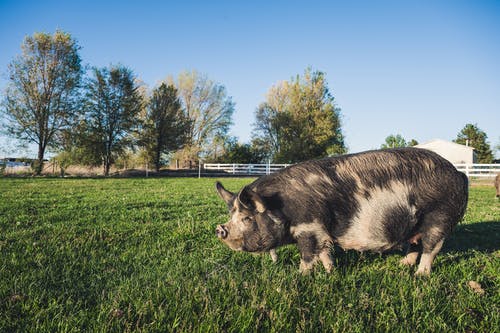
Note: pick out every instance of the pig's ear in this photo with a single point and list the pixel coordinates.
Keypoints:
(251, 200)
(223, 193)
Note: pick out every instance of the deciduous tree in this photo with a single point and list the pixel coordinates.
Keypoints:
(394, 141)
(397, 141)
(113, 103)
(299, 120)
(41, 97)
(235, 152)
(209, 108)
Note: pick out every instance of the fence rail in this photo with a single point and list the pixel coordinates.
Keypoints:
(479, 170)
(244, 169)
(471, 170)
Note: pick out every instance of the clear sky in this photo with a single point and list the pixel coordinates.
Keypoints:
(422, 69)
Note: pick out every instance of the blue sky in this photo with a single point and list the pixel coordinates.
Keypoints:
(422, 69)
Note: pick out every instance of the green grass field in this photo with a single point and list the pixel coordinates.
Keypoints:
(99, 255)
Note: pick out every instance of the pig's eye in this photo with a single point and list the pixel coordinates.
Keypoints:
(247, 219)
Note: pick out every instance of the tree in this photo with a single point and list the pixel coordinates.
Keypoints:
(268, 129)
(397, 141)
(412, 143)
(209, 108)
(299, 120)
(166, 125)
(235, 152)
(394, 141)
(42, 94)
(113, 103)
(476, 138)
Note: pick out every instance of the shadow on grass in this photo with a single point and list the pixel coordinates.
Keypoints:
(480, 236)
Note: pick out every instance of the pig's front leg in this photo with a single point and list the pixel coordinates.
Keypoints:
(311, 250)
(274, 255)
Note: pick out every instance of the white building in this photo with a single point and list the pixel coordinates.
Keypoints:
(453, 152)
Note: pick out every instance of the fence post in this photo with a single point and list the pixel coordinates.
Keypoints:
(199, 169)
(234, 168)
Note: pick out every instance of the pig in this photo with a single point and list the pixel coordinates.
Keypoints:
(371, 201)
(497, 185)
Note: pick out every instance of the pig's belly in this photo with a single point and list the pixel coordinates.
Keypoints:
(362, 243)
(382, 221)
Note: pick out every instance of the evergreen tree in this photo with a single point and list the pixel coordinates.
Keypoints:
(476, 138)
(166, 126)
(112, 112)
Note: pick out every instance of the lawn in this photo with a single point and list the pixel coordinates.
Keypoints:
(115, 255)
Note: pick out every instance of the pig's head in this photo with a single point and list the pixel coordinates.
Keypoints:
(252, 226)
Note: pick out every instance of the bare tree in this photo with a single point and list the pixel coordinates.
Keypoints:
(41, 96)
(208, 107)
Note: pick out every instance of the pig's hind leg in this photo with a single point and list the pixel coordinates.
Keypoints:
(424, 267)
(411, 255)
(433, 234)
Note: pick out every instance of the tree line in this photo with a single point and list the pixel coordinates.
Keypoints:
(95, 116)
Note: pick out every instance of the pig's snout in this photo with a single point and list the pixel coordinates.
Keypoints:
(221, 231)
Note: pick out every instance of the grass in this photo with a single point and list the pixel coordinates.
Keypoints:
(118, 255)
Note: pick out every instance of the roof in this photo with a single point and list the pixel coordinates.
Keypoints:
(440, 141)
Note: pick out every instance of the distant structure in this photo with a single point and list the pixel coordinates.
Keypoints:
(453, 152)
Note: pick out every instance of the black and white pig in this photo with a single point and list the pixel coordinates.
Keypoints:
(375, 200)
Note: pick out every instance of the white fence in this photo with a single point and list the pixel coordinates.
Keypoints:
(244, 169)
(479, 170)
(471, 170)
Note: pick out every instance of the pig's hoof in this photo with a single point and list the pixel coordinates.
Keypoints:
(410, 259)
(422, 273)
(305, 267)
(407, 261)
(325, 258)
(274, 255)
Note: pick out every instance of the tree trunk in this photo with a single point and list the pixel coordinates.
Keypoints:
(157, 160)
(39, 161)
(107, 158)
(106, 168)
(157, 154)
(105, 165)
